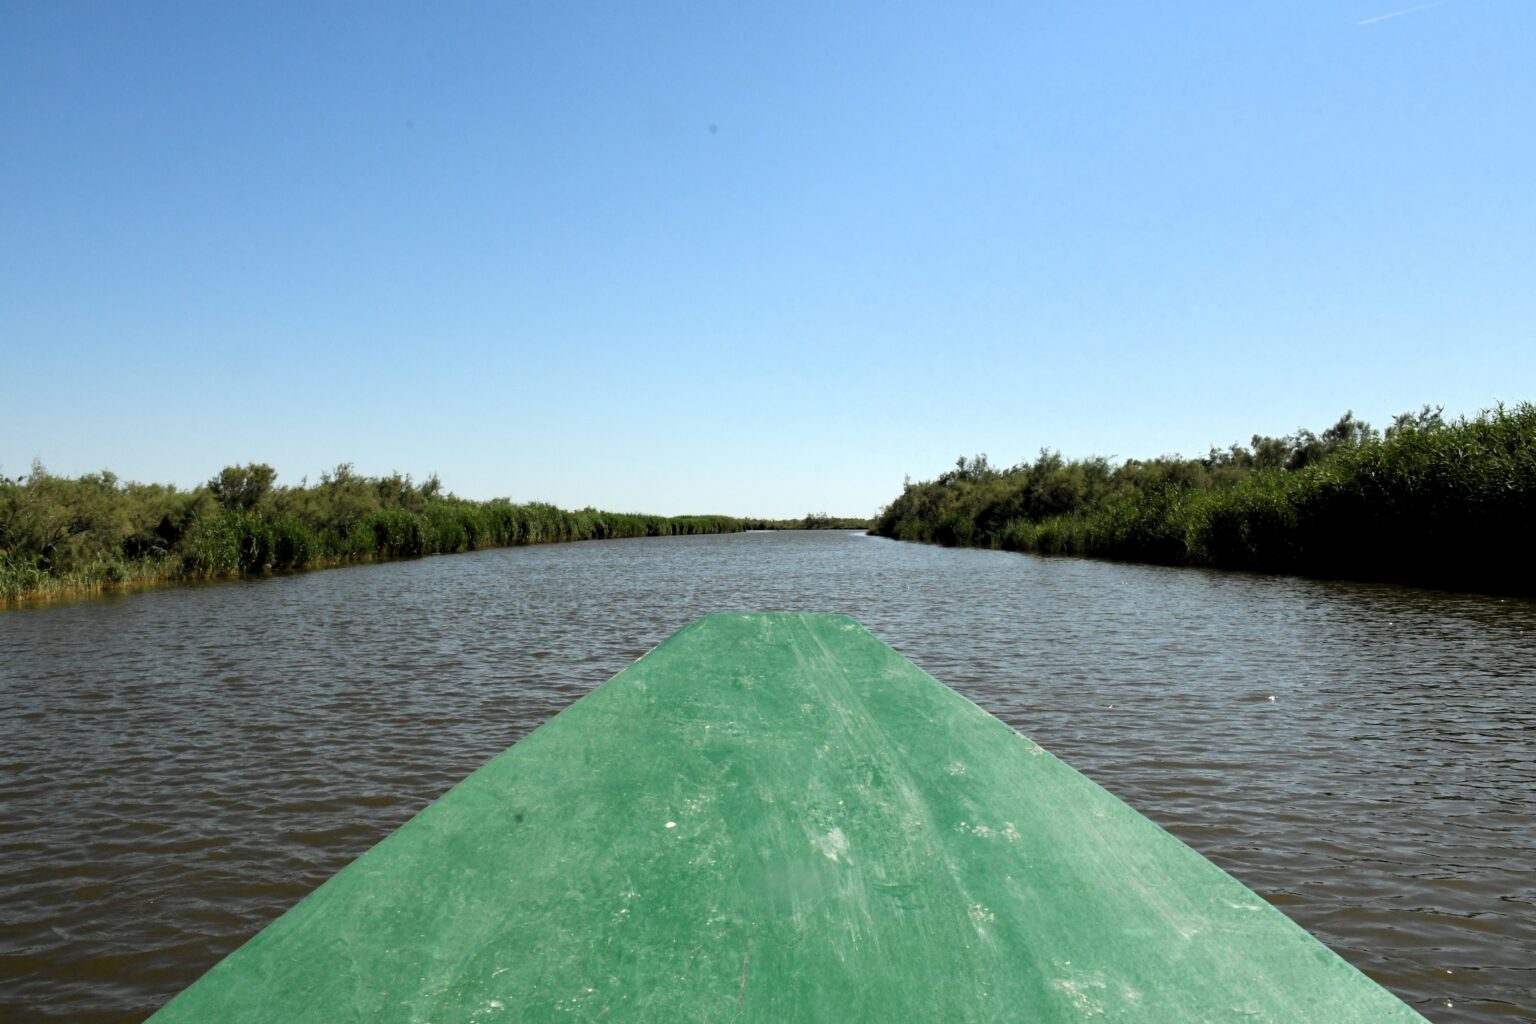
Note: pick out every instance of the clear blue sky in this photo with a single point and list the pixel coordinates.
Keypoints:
(755, 259)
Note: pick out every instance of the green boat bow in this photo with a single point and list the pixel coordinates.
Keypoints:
(776, 817)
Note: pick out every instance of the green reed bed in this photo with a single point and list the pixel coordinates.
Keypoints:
(1429, 501)
(63, 537)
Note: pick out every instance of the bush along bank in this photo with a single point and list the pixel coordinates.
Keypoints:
(1429, 501)
(61, 536)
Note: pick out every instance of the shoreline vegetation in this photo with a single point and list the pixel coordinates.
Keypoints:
(1428, 502)
(64, 538)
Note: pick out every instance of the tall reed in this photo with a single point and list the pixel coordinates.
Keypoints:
(61, 536)
(1430, 502)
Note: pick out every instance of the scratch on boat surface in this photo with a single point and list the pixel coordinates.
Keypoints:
(833, 845)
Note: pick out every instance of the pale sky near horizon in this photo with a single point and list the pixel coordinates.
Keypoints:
(683, 258)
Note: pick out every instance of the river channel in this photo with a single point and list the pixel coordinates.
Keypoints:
(177, 767)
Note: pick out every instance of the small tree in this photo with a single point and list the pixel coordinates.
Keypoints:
(243, 487)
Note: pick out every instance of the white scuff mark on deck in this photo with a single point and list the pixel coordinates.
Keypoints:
(833, 845)
(1085, 994)
(1034, 748)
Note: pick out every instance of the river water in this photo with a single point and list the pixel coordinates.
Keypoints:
(177, 767)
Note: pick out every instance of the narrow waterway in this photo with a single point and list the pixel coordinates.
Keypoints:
(178, 767)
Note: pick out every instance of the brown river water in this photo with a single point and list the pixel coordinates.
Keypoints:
(177, 767)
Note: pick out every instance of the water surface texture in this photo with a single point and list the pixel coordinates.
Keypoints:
(178, 767)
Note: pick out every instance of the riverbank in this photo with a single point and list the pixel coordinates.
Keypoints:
(62, 537)
(1427, 502)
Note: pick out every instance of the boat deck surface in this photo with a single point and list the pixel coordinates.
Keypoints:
(776, 817)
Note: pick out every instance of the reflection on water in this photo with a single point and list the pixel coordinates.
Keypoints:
(178, 767)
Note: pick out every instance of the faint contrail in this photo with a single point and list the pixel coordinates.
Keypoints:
(1399, 14)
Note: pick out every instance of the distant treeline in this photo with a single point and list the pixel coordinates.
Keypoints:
(62, 536)
(814, 521)
(1429, 501)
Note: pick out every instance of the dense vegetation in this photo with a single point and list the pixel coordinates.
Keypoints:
(816, 521)
(1429, 501)
(66, 536)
